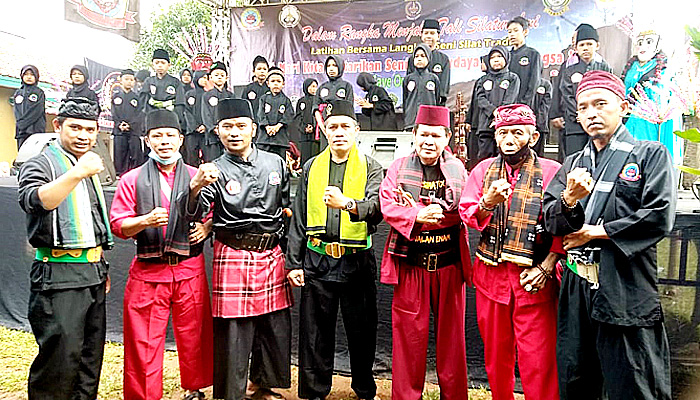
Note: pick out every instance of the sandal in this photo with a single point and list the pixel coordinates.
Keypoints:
(267, 394)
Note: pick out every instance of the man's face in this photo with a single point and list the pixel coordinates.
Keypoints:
(510, 139)
(236, 134)
(429, 142)
(646, 47)
(341, 132)
(260, 72)
(28, 77)
(127, 82)
(313, 87)
(77, 136)
(497, 61)
(516, 34)
(331, 68)
(165, 142)
(586, 49)
(420, 60)
(161, 66)
(431, 37)
(77, 77)
(275, 83)
(600, 112)
(186, 77)
(218, 77)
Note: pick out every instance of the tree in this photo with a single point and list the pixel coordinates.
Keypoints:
(166, 25)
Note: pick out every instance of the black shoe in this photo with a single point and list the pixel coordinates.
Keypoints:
(194, 395)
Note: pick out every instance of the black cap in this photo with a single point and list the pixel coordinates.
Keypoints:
(586, 32)
(339, 107)
(431, 24)
(142, 75)
(233, 108)
(259, 59)
(275, 71)
(79, 108)
(161, 54)
(218, 65)
(127, 71)
(161, 119)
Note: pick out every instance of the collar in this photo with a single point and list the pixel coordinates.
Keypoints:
(252, 157)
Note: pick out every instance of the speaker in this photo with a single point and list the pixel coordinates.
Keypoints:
(35, 143)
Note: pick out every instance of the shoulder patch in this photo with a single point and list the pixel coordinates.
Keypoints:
(134, 103)
(302, 106)
(268, 107)
(252, 95)
(576, 77)
(631, 172)
(541, 90)
(19, 99)
(488, 84)
(191, 100)
(274, 178)
(118, 100)
(437, 68)
(411, 85)
(33, 97)
(524, 61)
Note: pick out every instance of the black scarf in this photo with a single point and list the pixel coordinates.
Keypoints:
(150, 242)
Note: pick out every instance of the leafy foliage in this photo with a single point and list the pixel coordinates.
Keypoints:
(166, 25)
(694, 35)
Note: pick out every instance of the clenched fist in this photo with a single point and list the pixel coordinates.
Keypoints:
(579, 184)
(157, 217)
(431, 215)
(207, 173)
(89, 164)
(497, 193)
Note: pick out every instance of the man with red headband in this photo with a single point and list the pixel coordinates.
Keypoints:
(426, 259)
(515, 295)
(614, 201)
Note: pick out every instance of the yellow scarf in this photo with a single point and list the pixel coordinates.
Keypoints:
(353, 234)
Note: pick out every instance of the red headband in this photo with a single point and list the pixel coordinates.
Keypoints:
(603, 80)
(514, 114)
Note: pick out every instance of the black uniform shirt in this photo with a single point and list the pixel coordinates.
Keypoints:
(440, 66)
(249, 195)
(48, 276)
(526, 62)
(324, 267)
(253, 92)
(274, 109)
(210, 100)
(419, 87)
(126, 108)
(30, 114)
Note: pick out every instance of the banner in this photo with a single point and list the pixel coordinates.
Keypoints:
(116, 16)
(379, 36)
(103, 81)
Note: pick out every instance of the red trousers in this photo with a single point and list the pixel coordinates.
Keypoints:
(532, 329)
(417, 293)
(147, 306)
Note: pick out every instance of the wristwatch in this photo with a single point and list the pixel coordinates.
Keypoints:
(351, 204)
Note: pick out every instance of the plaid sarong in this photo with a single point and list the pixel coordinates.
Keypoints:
(512, 231)
(410, 179)
(248, 283)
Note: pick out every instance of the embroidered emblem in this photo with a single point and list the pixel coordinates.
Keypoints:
(268, 107)
(213, 101)
(190, 101)
(631, 172)
(302, 106)
(118, 100)
(430, 85)
(488, 85)
(437, 68)
(233, 187)
(251, 95)
(524, 61)
(282, 108)
(134, 103)
(19, 99)
(33, 97)
(170, 90)
(576, 78)
(324, 92)
(541, 90)
(375, 98)
(411, 85)
(340, 93)
(153, 89)
(504, 84)
(275, 178)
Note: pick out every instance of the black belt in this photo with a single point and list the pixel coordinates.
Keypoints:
(433, 261)
(249, 241)
(170, 259)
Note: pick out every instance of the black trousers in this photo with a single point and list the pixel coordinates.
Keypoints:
(275, 149)
(574, 142)
(263, 341)
(191, 147)
(624, 362)
(308, 149)
(211, 152)
(128, 153)
(487, 145)
(69, 325)
(318, 315)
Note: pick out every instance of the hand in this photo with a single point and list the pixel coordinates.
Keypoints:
(558, 123)
(207, 173)
(431, 215)
(198, 233)
(498, 192)
(309, 128)
(296, 277)
(579, 184)
(157, 217)
(583, 236)
(334, 198)
(403, 198)
(123, 126)
(89, 164)
(532, 279)
(201, 129)
(288, 212)
(108, 284)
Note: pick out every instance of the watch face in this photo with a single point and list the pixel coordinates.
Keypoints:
(349, 205)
